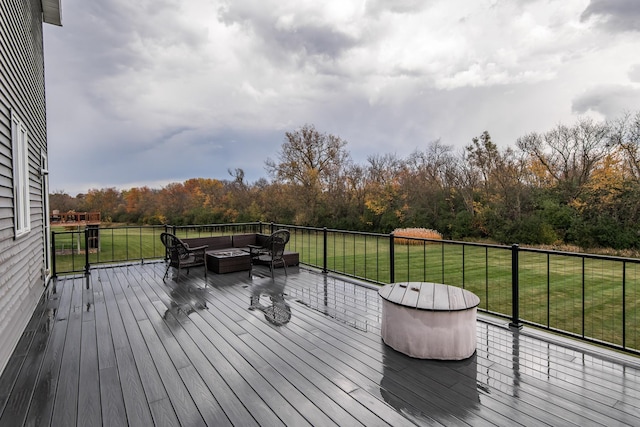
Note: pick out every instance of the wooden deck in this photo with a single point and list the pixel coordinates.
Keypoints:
(120, 347)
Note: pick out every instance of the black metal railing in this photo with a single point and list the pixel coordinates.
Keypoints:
(76, 251)
(592, 297)
(209, 230)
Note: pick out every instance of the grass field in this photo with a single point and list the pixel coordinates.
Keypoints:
(590, 297)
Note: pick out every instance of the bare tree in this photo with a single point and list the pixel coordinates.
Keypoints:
(625, 134)
(383, 169)
(569, 155)
(427, 183)
(433, 165)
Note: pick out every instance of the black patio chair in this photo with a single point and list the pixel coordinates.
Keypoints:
(272, 252)
(181, 255)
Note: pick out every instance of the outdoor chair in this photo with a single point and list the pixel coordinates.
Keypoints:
(271, 253)
(181, 255)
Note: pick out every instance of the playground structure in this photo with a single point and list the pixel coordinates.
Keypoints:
(73, 222)
(73, 218)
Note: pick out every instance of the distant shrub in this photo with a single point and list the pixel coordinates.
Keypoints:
(414, 233)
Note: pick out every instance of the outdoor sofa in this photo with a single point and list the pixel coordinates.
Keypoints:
(239, 241)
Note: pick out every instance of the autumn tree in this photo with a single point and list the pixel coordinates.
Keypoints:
(173, 200)
(384, 199)
(311, 161)
(107, 201)
(482, 160)
(141, 206)
(474, 181)
(483, 155)
(277, 202)
(609, 207)
(62, 202)
(503, 173)
(355, 191)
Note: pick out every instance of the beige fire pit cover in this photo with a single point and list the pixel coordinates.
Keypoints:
(429, 320)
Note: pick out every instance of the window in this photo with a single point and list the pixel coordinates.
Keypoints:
(21, 205)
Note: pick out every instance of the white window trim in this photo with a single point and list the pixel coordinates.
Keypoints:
(21, 197)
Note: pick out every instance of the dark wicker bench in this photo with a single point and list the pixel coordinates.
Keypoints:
(237, 242)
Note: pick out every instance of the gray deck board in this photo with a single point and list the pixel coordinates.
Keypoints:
(121, 346)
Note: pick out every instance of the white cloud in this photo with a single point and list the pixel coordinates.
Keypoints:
(634, 73)
(609, 100)
(614, 15)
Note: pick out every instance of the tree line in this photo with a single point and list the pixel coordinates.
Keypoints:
(574, 184)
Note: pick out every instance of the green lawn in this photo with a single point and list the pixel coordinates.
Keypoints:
(555, 290)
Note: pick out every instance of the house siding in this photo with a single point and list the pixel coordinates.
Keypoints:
(22, 93)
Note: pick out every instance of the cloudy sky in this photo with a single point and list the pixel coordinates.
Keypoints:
(149, 92)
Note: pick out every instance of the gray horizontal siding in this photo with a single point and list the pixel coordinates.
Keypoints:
(22, 92)
(22, 65)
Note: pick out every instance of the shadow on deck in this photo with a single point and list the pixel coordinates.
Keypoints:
(121, 347)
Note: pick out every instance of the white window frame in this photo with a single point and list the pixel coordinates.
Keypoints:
(21, 199)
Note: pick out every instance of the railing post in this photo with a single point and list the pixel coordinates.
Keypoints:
(515, 289)
(86, 251)
(271, 228)
(392, 260)
(54, 271)
(583, 296)
(324, 250)
(624, 305)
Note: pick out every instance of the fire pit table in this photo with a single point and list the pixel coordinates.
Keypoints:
(228, 260)
(429, 320)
